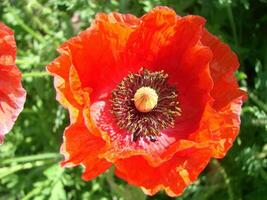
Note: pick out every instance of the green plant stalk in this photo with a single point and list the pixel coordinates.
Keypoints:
(123, 5)
(232, 22)
(226, 179)
(24, 26)
(31, 158)
(35, 74)
(10, 170)
(35, 191)
(258, 102)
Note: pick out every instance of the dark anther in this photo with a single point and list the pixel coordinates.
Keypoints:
(136, 135)
(152, 138)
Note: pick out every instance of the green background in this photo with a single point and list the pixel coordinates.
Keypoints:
(29, 157)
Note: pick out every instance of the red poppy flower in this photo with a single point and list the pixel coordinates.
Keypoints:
(154, 96)
(12, 95)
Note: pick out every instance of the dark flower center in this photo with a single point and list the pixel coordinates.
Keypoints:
(145, 104)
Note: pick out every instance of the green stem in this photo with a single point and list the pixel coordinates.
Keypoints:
(263, 174)
(6, 171)
(258, 102)
(23, 61)
(24, 26)
(123, 5)
(35, 74)
(112, 184)
(232, 22)
(34, 192)
(51, 184)
(31, 158)
(226, 179)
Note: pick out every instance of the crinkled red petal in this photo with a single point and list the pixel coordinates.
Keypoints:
(80, 147)
(222, 67)
(173, 176)
(221, 120)
(82, 72)
(219, 129)
(12, 95)
(96, 53)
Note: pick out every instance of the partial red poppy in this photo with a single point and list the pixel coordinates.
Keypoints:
(154, 96)
(12, 95)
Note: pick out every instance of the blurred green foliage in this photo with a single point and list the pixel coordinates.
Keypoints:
(29, 158)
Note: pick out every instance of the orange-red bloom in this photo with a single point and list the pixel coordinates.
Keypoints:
(12, 95)
(163, 135)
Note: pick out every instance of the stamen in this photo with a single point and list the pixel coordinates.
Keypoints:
(145, 104)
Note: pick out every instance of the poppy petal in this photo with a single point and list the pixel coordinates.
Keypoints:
(222, 67)
(114, 17)
(221, 120)
(220, 128)
(89, 58)
(173, 176)
(12, 95)
(82, 148)
(77, 137)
